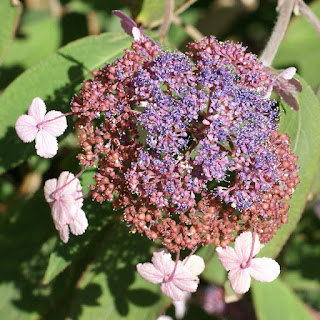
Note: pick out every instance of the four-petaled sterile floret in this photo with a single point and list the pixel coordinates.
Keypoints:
(176, 279)
(241, 266)
(65, 198)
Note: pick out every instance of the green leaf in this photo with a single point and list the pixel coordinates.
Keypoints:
(9, 17)
(151, 12)
(41, 38)
(81, 247)
(176, 34)
(303, 128)
(25, 242)
(300, 48)
(297, 281)
(276, 301)
(112, 288)
(55, 80)
(214, 272)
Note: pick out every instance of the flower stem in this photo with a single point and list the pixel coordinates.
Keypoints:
(166, 20)
(175, 267)
(84, 196)
(62, 115)
(75, 177)
(191, 253)
(307, 12)
(192, 32)
(278, 32)
(252, 248)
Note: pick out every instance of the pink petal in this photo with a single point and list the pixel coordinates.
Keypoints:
(49, 187)
(228, 258)
(264, 269)
(136, 33)
(171, 291)
(79, 224)
(55, 127)
(37, 109)
(64, 233)
(149, 272)
(73, 188)
(184, 279)
(64, 177)
(46, 144)
(243, 244)
(164, 317)
(288, 73)
(194, 264)
(240, 280)
(162, 261)
(181, 306)
(26, 128)
(63, 211)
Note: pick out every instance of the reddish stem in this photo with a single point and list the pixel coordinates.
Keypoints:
(175, 267)
(75, 177)
(62, 115)
(251, 252)
(84, 196)
(191, 253)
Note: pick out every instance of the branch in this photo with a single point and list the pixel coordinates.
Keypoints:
(307, 12)
(192, 32)
(278, 32)
(166, 20)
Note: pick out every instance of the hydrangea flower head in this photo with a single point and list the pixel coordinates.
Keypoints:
(176, 280)
(64, 196)
(242, 267)
(188, 143)
(41, 126)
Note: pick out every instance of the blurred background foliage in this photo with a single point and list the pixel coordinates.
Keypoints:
(93, 276)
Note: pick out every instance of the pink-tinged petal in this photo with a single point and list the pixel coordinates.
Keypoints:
(37, 109)
(136, 33)
(73, 188)
(49, 187)
(164, 317)
(288, 73)
(162, 261)
(63, 211)
(79, 224)
(243, 244)
(26, 128)
(181, 306)
(228, 258)
(240, 280)
(264, 269)
(148, 272)
(54, 127)
(184, 279)
(194, 264)
(171, 291)
(64, 233)
(64, 177)
(46, 144)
